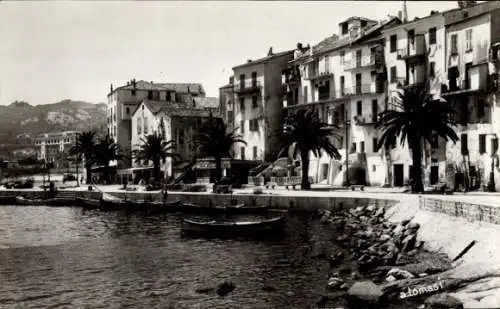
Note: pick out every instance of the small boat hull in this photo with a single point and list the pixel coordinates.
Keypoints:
(265, 227)
(31, 202)
(89, 203)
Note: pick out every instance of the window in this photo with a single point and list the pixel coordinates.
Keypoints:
(454, 47)
(394, 43)
(432, 69)
(242, 104)
(305, 94)
(254, 125)
(150, 94)
(254, 101)
(374, 168)
(342, 57)
(362, 147)
(482, 143)
(353, 147)
(145, 125)
(230, 116)
(358, 58)
(139, 126)
(468, 40)
(242, 153)
(342, 85)
(242, 126)
(393, 74)
(411, 37)
(375, 142)
(133, 91)
(254, 79)
(363, 23)
(463, 143)
(255, 152)
(242, 81)
(127, 110)
(359, 108)
(345, 28)
(432, 35)
(480, 108)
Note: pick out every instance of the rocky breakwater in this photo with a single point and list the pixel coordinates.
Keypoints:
(375, 263)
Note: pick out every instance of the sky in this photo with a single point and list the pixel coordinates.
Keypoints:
(56, 50)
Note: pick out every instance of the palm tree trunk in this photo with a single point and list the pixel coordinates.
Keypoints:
(156, 169)
(218, 168)
(88, 172)
(305, 185)
(417, 185)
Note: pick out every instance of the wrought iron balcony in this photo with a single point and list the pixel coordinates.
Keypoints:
(248, 87)
(362, 63)
(360, 89)
(320, 75)
(413, 50)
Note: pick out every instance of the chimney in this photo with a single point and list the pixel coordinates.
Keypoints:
(405, 12)
(134, 83)
(400, 15)
(111, 88)
(299, 46)
(270, 52)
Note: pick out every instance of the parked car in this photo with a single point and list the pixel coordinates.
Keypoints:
(69, 177)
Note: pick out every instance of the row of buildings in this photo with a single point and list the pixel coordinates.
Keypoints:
(350, 78)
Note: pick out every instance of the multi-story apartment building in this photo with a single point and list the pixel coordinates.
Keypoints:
(123, 101)
(343, 79)
(49, 146)
(226, 103)
(258, 105)
(471, 84)
(414, 56)
(178, 121)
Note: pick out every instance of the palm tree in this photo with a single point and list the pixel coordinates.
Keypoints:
(307, 133)
(415, 118)
(155, 148)
(107, 150)
(215, 141)
(85, 146)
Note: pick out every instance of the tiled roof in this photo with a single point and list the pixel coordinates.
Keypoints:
(207, 102)
(194, 88)
(264, 59)
(333, 42)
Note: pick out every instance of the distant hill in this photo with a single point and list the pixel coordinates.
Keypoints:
(21, 122)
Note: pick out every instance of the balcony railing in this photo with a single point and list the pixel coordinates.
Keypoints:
(364, 62)
(369, 119)
(412, 50)
(249, 86)
(361, 89)
(318, 75)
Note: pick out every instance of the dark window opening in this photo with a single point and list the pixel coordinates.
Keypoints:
(345, 28)
(432, 69)
(150, 95)
(362, 147)
(432, 35)
(463, 144)
(375, 142)
(255, 152)
(242, 151)
(393, 74)
(359, 108)
(482, 143)
(394, 43)
(254, 101)
(481, 108)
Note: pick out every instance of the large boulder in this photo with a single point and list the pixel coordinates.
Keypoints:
(442, 301)
(224, 287)
(364, 293)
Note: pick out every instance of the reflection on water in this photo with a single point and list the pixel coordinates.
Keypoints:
(70, 258)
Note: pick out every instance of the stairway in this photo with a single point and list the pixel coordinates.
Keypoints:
(69, 195)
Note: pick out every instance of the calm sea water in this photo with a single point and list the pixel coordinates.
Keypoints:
(70, 258)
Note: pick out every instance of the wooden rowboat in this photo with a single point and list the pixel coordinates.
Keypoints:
(88, 203)
(20, 200)
(154, 207)
(256, 227)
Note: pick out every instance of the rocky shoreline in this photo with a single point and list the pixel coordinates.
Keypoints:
(388, 266)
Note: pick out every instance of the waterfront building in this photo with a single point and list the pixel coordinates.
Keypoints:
(257, 105)
(343, 79)
(472, 63)
(415, 56)
(226, 103)
(179, 121)
(50, 146)
(123, 101)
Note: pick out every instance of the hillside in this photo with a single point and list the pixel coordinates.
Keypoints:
(21, 122)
